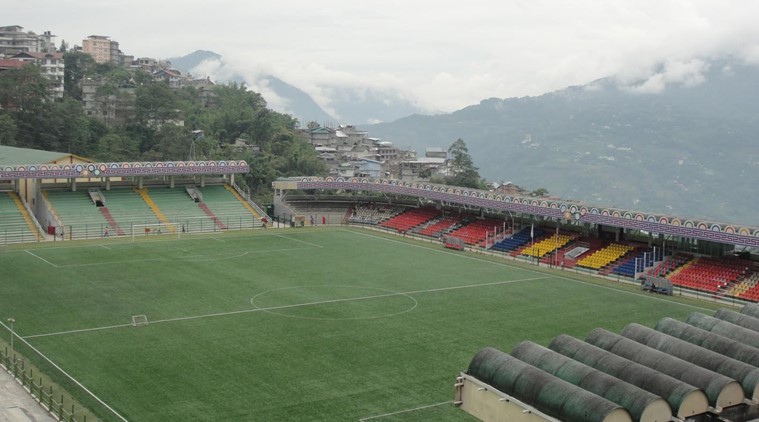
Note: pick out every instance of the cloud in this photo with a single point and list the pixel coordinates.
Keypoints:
(687, 73)
(441, 55)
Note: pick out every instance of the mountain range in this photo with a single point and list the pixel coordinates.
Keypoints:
(350, 105)
(688, 148)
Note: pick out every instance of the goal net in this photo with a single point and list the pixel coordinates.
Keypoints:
(139, 320)
(158, 229)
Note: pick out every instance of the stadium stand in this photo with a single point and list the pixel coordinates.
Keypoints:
(410, 218)
(77, 212)
(710, 274)
(15, 223)
(227, 208)
(476, 231)
(178, 206)
(440, 226)
(372, 213)
(547, 245)
(517, 240)
(605, 256)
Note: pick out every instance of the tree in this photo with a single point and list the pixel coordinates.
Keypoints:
(155, 103)
(115, 147)
(77, 66)
(464, 173)
(540, 192)
(8, 130)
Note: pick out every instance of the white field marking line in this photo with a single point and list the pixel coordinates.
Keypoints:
(368, 418)
(40, 258)
(218, 257)
(74, 380)
(218, 240)
(187, 238)
(298, 240)
(503, 264)
(105, 247)
(78, 331)
(295, 305)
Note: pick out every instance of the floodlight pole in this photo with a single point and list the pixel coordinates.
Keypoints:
(11, 321)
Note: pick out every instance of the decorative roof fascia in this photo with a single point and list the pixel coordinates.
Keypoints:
(556, 209)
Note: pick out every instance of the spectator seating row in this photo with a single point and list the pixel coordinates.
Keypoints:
(14, 226)
(517, 240)
(373, 213)
(410, 218)
(642, 259)
(710, 274)
(547, 245)
(476, 231)
(605, 256)
(440, 226)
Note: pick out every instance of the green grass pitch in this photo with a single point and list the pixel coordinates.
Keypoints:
(296, 324)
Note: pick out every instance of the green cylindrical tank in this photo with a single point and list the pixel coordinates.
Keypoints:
(549, 394)
(709, 340)
(747, 375)
(722, 391)
(737, 318)
(724, 328)
(751, 309)
(642, 405)
(685, 399)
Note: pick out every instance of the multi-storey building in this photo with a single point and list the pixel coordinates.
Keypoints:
(99, 47)
(14, 40)
(111, 106)
(105, 50)
(51, 66)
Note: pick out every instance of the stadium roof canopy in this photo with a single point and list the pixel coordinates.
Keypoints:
(13, 156)
(558, 210)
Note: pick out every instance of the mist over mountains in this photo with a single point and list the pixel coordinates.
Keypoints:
(688, 148)
(346, 104)
(683, 141)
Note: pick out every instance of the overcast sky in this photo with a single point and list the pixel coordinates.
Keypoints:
(440, 54)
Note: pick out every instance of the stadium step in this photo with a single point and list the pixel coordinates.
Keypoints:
(111, 221)
(213, 216)
(24, 213)
(154, 207)
(244, 202)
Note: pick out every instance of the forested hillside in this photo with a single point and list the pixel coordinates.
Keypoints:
(224, 114)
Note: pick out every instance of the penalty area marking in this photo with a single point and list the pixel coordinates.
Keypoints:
(413, 409)
(298, 240)
(40, 258)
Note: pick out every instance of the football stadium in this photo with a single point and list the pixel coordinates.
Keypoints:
(159, 291)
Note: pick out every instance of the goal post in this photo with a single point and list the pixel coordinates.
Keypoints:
(139, 320)
(157, 229)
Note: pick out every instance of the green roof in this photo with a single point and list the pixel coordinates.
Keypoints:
(12, 156)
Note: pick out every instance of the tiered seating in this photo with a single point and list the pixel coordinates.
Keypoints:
(748, 289)
(476, 231)
(669, 264)
(127, 207)
(176, 204)
(228, 209)
(437, 228)
(710, 274)
(605, 256)
(643, 258)
(13, 226)
(517, 240)
(78, 213)
(373, 213)
(547, 245)
(410, 219)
